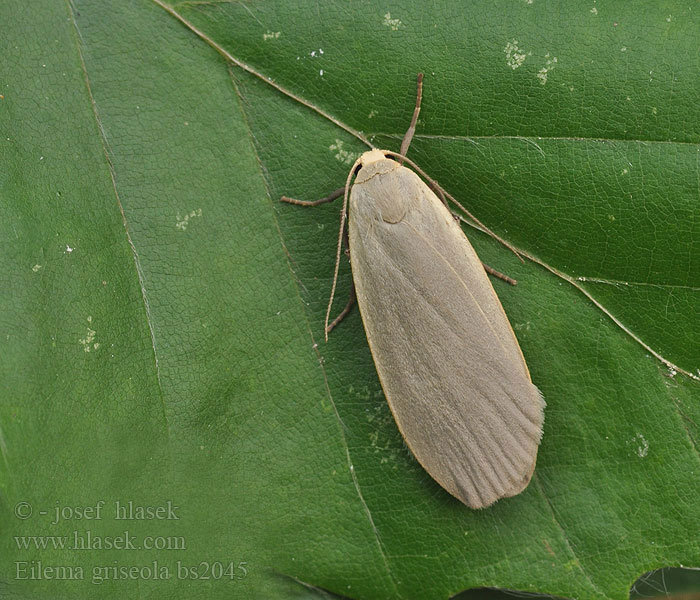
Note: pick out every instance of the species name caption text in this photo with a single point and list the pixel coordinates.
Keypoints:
(86, 537)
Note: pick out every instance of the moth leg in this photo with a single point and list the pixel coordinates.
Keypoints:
(345, 311)
(352, 298)
(408, 136)
(492, 271)
(332, 196)
(342, 241)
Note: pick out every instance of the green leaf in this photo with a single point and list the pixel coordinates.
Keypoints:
(162, 335)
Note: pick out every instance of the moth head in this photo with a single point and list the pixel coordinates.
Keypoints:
(371, 156)
(373, 162)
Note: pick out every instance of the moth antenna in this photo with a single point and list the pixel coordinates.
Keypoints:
(406, 142)
(343, 217)
(425, 176)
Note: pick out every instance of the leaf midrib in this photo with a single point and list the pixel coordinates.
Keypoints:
(134, 253)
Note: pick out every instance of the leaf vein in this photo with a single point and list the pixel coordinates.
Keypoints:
(567, 541)
(134, 251)
(341, 425)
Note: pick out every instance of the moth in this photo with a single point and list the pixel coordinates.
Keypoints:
(448, 361)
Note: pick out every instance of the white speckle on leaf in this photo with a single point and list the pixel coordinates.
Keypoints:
(182, 222)
(549, 66)
(341, 154)
(374, 438)
(623, 49)
(668, 19)
(642, 445)
(88, 342)
(362, 394)
(372, 114)
(271, 35)
(653, 110)
(393, 24)
(514, 55)
(69, 249)
(594, 11)
(321, 72)
(625, 171)
(35, 268)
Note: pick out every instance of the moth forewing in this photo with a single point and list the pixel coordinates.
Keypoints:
(448, 361)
